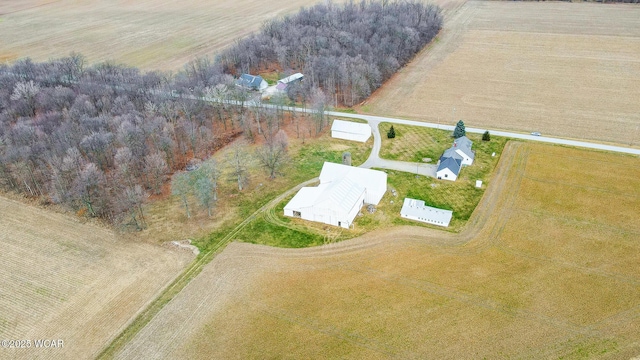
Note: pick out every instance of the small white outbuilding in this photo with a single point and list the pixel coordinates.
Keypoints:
(349, 130)
(342, 192)
(416, 210)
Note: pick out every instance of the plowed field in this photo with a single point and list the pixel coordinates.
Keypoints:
(546, 268)
(60, 279)
(565, 69)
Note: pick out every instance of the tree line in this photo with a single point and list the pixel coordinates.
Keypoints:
(101, 139)
(346, 50)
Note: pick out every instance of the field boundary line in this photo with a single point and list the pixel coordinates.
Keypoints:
(154, 306)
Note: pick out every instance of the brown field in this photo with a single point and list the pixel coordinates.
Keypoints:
(151, 34)
(62, 279)
(564, 69)
(546, 268)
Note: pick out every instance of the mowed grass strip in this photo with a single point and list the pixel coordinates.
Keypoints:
(415, 143)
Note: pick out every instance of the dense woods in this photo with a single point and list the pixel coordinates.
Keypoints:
(347, 50)
(101, 139)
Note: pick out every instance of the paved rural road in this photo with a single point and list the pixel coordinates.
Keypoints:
(375, 120)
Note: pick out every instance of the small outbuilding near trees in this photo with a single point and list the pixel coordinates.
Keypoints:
(349, 130)
(342, 192)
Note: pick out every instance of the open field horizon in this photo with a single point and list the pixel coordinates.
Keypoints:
(541, 271)
(564, 69)
(80, 283)
(151, 34)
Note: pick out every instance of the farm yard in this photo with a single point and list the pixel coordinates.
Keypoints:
(542, 270)
(564, 69)
(62, 279)
(539, 262)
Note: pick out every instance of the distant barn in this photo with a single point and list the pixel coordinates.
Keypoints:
(348, 130)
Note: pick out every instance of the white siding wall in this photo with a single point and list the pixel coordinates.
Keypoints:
(465, 159)
(349, 136)
(446, 174)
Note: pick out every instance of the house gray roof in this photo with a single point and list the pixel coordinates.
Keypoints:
(250, 81)
(462, 142)
(451, 152)
(451, 163)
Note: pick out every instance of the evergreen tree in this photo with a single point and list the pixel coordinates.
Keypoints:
(459, 131)
(391, 133)
(486, 136)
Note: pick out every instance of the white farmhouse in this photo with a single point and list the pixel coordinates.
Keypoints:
(449, 165)
(416, 210)
(349, 130)
(462, 146)
(342, 192)
(454, 158)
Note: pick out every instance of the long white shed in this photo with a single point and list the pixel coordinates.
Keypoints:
(416, 210)
(349, 130)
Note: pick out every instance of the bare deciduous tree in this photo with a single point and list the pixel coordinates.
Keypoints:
(180, 186)
(238, 159)
(273, 154)
(155, 169)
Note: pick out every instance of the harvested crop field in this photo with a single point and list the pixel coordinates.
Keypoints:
(152, 34)
(61, 279)
(564, 69)
(546, 268)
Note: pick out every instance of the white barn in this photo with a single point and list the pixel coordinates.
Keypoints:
(416, 210)
(342, 192)
(349, 130)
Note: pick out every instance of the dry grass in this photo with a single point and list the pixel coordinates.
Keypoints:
(565, 69)
(525, 279)
(61, 279)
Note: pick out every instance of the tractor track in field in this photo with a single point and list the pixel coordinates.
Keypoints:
(185, 277)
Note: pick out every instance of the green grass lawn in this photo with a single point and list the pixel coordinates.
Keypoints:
(413, 143)
(410, 144)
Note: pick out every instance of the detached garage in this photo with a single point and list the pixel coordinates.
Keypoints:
(348, 130)
(342, 192)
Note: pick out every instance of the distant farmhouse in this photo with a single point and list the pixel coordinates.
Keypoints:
(253, 82)
(342, 192)
(349, 130)
(453, 158)
(416, 210)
